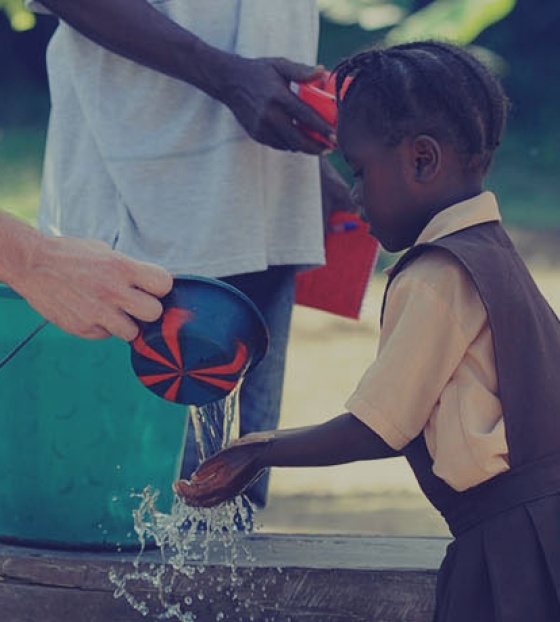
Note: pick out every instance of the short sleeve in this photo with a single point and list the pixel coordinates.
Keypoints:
(432, 314)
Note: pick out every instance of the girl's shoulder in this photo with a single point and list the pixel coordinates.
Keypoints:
(438, 276)
(436, 268)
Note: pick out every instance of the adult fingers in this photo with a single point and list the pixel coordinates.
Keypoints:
(150, 278)
(287, 133)
(297, 136)
(120, 325)
(140, 305)
(294, 106)
(304, 115)
(298, 72)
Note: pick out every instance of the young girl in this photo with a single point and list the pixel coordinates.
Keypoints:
(464, 382)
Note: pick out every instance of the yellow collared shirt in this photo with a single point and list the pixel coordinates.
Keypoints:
(435, 369)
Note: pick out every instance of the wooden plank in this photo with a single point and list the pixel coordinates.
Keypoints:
(282, 578)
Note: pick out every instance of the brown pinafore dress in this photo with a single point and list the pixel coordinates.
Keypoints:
(504, 562)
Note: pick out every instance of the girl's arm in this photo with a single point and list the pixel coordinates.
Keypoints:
(229, 472)
(338, 441)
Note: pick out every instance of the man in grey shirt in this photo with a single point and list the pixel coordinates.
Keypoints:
(175, 138)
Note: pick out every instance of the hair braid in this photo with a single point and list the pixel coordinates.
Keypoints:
(492, 92)
(427, 86)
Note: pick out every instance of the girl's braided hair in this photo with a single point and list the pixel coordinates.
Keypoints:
(427, 87)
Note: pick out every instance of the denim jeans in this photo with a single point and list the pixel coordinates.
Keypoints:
(272, 291)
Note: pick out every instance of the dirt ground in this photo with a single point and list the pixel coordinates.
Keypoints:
(326, 357)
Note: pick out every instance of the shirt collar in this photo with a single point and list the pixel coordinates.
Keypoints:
(474, 211)
(481, 208)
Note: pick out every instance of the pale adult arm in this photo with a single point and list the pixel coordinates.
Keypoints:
(82, 286)
(255, 90)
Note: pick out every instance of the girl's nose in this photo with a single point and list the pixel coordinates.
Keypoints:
(357, 198)
(356, 195)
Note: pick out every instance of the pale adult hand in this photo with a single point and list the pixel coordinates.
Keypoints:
(226, 474)
(257, 92)
(85, 287)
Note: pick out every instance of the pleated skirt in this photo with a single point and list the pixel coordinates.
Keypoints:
(505, 569)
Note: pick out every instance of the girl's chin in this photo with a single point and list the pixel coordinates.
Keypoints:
(391, 246)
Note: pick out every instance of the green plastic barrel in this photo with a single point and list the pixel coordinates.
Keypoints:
(80, 437)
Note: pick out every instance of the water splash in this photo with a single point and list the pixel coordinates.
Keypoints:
(216, 424)
(190, 539)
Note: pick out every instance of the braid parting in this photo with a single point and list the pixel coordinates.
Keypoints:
(428, 86)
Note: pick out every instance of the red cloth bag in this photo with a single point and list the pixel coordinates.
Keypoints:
(340, 285)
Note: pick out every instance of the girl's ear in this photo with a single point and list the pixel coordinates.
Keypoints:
(427, 158)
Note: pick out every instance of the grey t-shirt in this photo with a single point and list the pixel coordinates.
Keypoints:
(164, 173)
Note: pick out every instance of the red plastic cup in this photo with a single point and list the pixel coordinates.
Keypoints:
(320, 94)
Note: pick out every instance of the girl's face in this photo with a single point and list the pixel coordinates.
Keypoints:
(385, 186)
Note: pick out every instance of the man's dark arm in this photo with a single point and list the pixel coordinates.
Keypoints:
(255, 90)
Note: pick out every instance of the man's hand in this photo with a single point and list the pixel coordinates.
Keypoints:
(82, 286)
(226, 474)
(257, 91)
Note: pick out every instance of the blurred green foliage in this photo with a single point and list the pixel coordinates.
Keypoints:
(460, 21)
(20, 18)
(368, 14)
(21, 151)
(522, 35)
